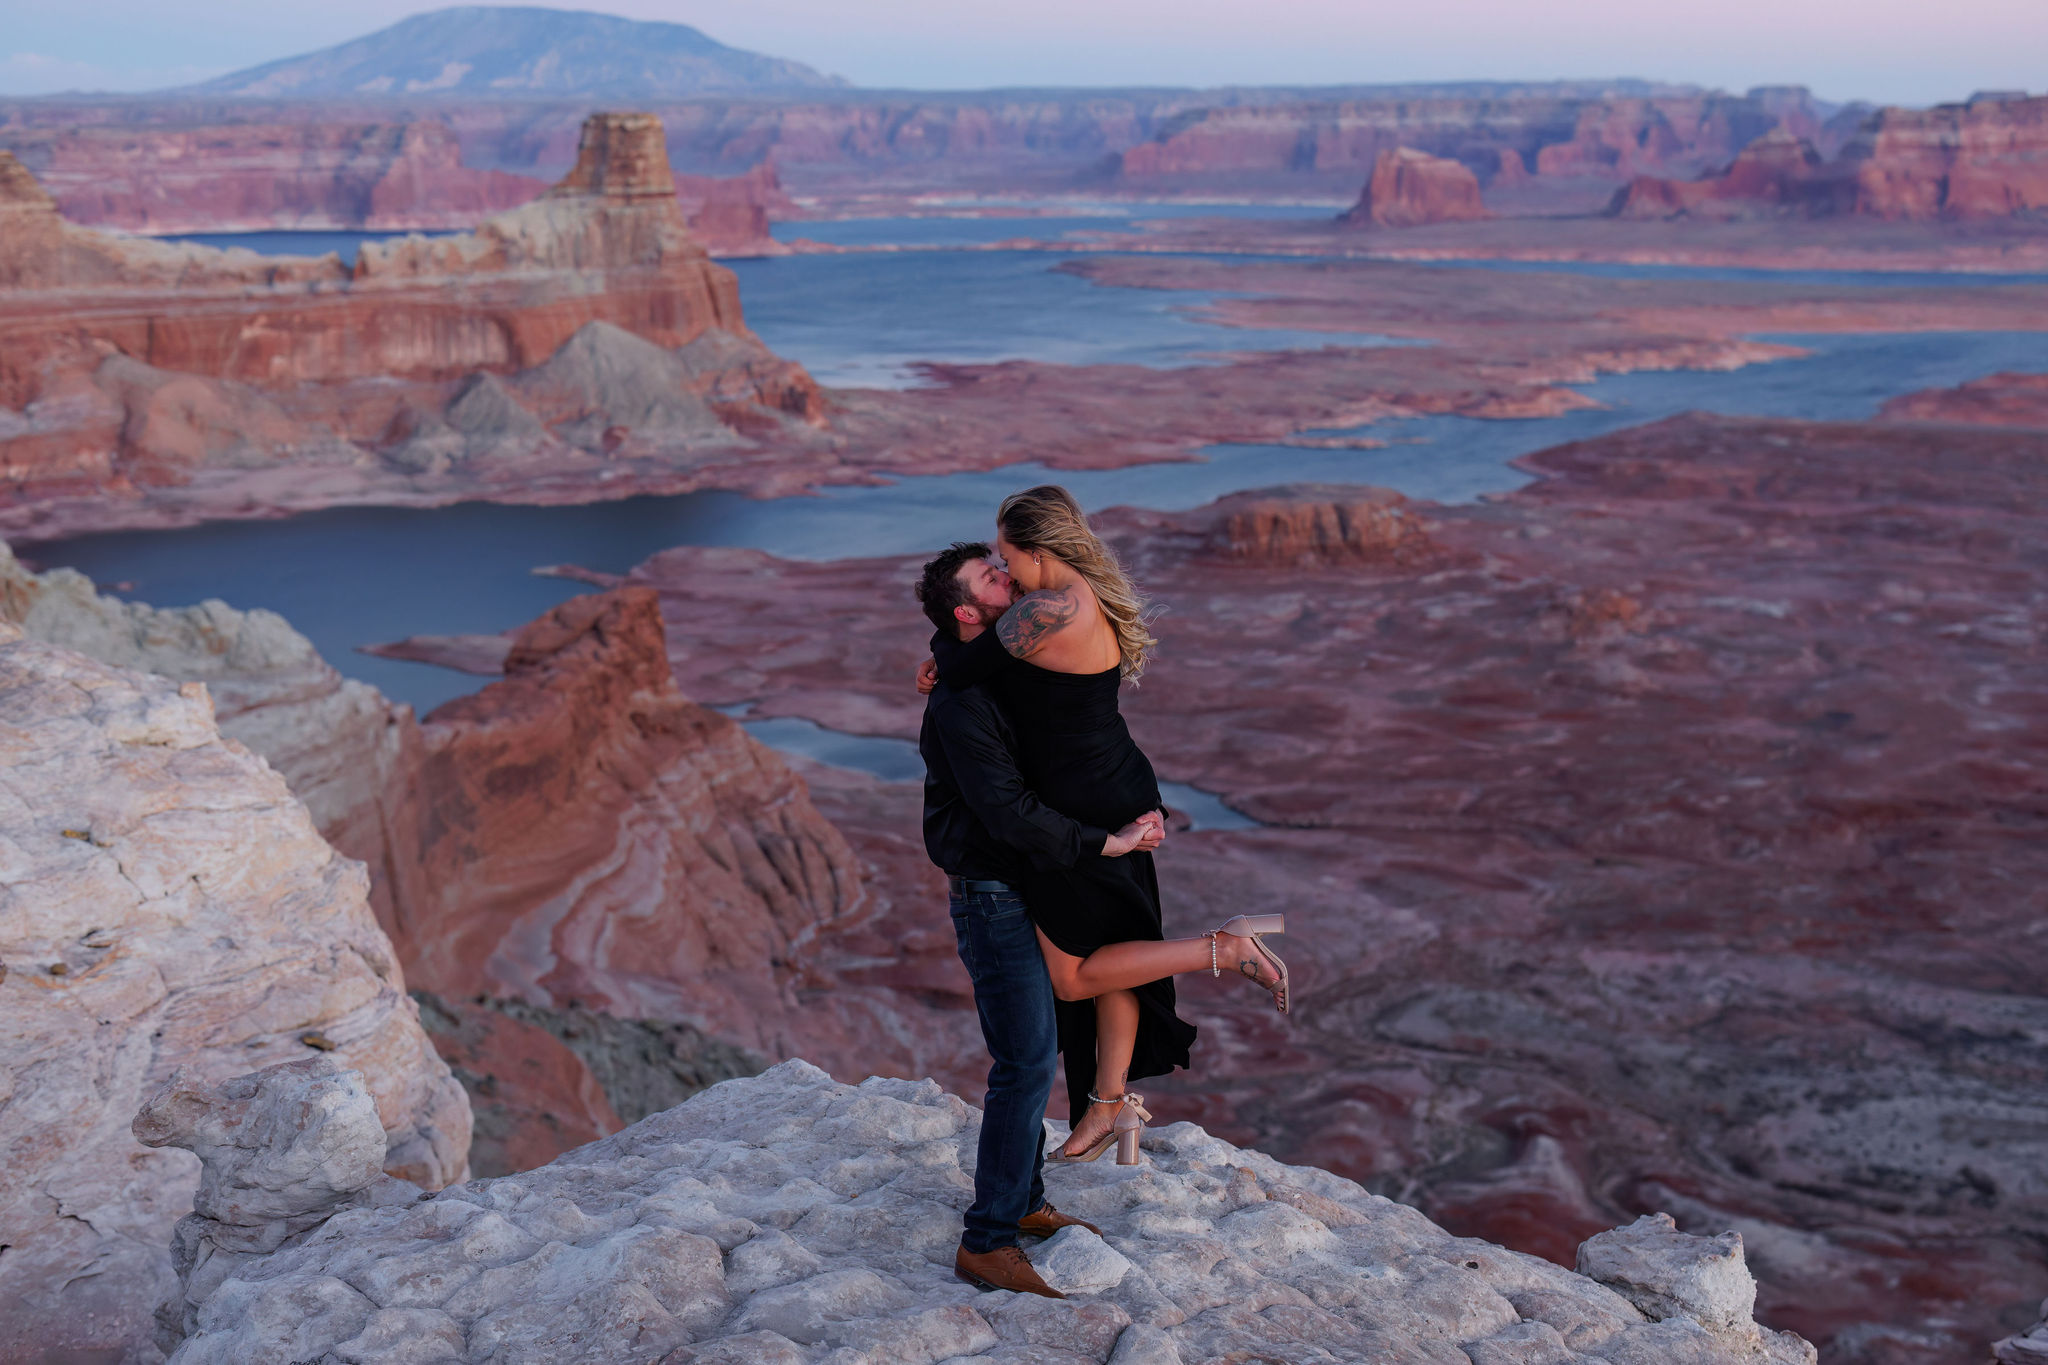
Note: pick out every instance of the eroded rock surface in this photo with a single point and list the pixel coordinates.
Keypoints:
(165, 904)
(787, 1218)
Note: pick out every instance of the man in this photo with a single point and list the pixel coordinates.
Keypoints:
(983, 828)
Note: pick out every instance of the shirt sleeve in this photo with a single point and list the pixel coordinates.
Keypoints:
(986, 773)
(968, 665)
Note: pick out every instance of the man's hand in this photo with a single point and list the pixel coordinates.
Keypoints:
(927, 676)
(1142, 835)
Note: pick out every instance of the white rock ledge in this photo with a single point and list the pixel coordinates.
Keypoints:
(786, 1219)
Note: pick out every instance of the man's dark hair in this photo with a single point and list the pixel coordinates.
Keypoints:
(941, 589)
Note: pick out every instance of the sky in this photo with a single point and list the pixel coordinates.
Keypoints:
(1889, 51)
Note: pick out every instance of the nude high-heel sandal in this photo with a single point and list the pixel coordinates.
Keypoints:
(1255, 927)
(1131, 1117)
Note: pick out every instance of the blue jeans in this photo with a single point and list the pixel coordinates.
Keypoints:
(1013, 996)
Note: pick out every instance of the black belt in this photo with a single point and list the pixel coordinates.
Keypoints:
(967, 886)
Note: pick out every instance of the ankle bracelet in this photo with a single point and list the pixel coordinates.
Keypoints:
(1215, 969)
(1099, 1100)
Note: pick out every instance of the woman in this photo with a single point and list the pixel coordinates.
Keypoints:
(1056, 659)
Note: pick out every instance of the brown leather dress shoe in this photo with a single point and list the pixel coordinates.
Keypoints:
(1045, 1220)
(1003, 1268)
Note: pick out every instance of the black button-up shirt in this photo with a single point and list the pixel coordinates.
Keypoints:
(980, 820)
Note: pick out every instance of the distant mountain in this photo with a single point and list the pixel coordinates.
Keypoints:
(499, 50)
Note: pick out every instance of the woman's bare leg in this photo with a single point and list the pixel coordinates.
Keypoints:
(1116, 1037)
(1120, 966)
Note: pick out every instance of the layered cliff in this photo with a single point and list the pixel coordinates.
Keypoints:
(165, 904)
(138, 369)
(1984, 159)
(788, 1219)
(1559, 135)
(1409, 188)
(243, 176)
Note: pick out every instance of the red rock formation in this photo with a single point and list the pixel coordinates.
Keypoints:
(237, 176)
(590, 835)
(1322, 526)
(730, 214)
(1999, 400)
(1409, 188)
(145, 361)
(1559, 135)
(1984, 159)
(1777, 171)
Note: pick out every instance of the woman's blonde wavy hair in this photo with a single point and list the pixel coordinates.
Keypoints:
(1049, 520)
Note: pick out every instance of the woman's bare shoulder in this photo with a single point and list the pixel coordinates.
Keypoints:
(1034, 619)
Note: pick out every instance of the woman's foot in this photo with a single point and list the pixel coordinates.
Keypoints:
(1237, 947)
(1236, 953)
(1095, 1125)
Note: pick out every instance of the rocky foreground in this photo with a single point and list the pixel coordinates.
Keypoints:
(790, 1220)
(165, 903)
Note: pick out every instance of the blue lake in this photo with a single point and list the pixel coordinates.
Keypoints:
(866, 321)
(1050, 221)
(348, 577)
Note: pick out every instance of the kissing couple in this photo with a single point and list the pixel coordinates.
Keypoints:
(1044, 816)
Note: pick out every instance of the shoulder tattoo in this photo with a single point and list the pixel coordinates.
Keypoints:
(1036, 618)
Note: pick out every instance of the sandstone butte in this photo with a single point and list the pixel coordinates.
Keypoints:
(786, 1219)
(1666, 835)
(165, 906)
(1987, 158)
(587, 327)
(1409, 188)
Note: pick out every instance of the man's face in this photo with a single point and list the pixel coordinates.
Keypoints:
(989, 590)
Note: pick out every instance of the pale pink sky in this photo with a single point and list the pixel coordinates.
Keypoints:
(1904, 51)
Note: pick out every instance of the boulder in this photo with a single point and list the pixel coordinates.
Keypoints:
(1667, 1273)
(789, 1218)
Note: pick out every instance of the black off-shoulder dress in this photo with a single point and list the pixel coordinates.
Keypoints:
(1078, 756)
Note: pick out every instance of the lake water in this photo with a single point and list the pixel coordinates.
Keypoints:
(1051, 221)
(865, 321)
(354, 576)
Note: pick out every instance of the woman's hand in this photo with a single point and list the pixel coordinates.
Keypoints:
(927, 676)
(1142, 835)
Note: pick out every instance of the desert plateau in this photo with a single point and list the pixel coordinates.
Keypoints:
(462, 896)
